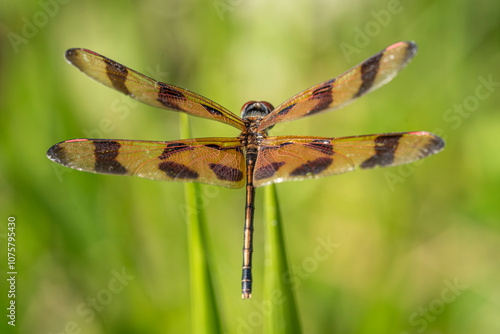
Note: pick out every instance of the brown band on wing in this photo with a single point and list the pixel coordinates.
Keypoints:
(326, 88)
(213, 146)
(167, 95)
(264, 149)
(369, 71)
(324, 146)
(313, 167)
(237, 149)
(177, 171)
(324, 96)
(105, 157)
(285, 110)
(212, 111)
(117, 74)
(267, 171)
(173, 148)
(226, 173)
(384, 151)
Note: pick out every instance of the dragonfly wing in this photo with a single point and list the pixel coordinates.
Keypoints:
(335, 93)
(146, 90)
(283, 159)
(216, 161)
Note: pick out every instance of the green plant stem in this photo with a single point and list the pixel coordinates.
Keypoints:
(278, 290)
(205, 317)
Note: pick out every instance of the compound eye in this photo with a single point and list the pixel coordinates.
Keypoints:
(245, 108)
(268, 105)
(256, 109)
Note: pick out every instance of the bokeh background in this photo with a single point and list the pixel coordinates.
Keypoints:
(412, 249)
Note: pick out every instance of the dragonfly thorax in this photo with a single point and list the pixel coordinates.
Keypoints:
(256, 109)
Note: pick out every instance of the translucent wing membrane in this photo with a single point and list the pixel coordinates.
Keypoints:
(217, 161)
(147, 90)
(252, 159)
(293, 158)
(335, 93)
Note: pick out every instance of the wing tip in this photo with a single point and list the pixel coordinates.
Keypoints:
(411, 46)
(71, 54)
(436, 144)
(411, 49)
(75, 56)
(57, 154)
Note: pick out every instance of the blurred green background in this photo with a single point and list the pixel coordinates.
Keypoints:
(411, 249)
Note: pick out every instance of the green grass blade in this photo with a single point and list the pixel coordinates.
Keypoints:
(205, 317)
(278, 292)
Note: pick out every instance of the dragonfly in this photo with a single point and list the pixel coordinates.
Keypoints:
(254, 158)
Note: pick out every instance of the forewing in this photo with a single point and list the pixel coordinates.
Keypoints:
(217, 161)
(147, 90)
(335, 93)
(283, 159)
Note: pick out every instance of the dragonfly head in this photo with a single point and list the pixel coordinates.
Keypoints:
(256, 109)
